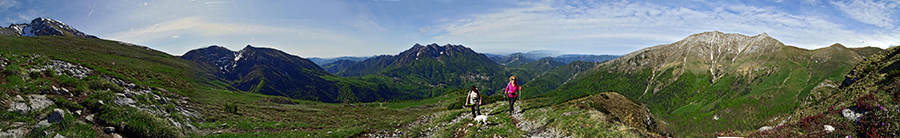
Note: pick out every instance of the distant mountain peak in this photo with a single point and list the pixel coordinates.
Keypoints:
(838, 45)
(713, 49)
(43, 27)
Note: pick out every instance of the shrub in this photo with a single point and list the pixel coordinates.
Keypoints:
(231, 108)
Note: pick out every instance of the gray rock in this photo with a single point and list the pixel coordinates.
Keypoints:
(765, 128)
(89, 118)
(174, 123)
(100, 102)
(114, 135)
(57, 115)
(829, 128)
(163, 101)
(78, 112)
(20, 108)
(125, 101)
(14, 133)
(851, 115)
(59, 136)
(54, 89)
(39, 102)
(17, 124)
(63, 90)
(42, 124)
(109, 129)
(19, 98)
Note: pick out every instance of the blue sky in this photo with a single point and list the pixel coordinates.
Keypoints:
(332, 28)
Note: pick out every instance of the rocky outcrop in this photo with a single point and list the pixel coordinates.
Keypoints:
(33, 103)
(628, 112)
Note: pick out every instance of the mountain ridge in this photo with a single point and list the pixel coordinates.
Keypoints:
(730, 77)
(43, 27)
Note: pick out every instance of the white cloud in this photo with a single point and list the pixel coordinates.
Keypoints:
(633, 25)
(878, 13)
(304, 42)
(192, 25)
(424, 30)
(23, 17)
(6, 4)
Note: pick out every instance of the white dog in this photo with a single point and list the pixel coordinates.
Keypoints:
(481, 118)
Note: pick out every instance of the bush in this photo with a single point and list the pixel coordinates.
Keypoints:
(455, 105)
(231, 108)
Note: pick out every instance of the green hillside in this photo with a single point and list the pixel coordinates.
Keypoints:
(758, 86)
(871, 90)
(169, 97)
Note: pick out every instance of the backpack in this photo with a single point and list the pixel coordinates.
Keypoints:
(472, 99)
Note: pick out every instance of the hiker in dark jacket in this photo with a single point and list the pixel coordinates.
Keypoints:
(474, 99)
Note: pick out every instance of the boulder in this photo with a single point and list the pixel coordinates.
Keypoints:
(18, 107)
(852, 115)
(114, 135)
(829, 128)
(125, 101)
(54, 89)
(39, 102)
(57, 115)
(765, 128)
(59, 136)
(109, 129)
(19, 98)
(130, 85)
(14, 133)
(42, 124)
(89, 118)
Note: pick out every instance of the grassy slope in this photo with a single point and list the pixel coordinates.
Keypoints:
(741, 102)
(148, 67)
(876, 91)
(136, 64)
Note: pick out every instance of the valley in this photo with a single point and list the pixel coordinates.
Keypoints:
(707, 84)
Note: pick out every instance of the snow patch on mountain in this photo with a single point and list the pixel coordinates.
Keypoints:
(44, 27)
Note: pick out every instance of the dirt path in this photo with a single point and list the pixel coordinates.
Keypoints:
(535, 127)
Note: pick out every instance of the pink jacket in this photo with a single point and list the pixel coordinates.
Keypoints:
(512, 89)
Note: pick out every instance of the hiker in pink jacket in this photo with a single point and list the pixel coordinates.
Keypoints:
(512, 91)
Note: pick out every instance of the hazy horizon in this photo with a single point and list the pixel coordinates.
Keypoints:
(378, 27)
